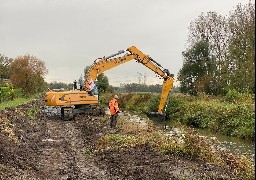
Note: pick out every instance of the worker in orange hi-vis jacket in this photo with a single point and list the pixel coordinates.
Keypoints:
(114, 110)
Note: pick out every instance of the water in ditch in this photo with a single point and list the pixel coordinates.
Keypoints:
(233, 144)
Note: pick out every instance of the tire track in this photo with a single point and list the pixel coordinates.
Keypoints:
(63, 153)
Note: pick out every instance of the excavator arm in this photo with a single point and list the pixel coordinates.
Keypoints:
(103, 64)
(132, 53)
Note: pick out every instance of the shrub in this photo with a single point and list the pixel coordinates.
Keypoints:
(232, 96)
(8, 93)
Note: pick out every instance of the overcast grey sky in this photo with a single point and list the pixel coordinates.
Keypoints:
(69, 35)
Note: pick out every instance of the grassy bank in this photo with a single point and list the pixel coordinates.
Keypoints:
(17, 101)
(231, 116)
(14, 103)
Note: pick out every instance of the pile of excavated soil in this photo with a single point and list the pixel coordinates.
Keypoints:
(50, 148)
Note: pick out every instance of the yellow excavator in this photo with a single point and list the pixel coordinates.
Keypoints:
(87, 100)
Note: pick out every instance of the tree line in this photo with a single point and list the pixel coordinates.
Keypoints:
(135, 87)
(220, 54)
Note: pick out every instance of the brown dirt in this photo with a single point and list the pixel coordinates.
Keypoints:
(50, 148)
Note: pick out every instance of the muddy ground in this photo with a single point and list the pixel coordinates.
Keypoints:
(50, 148)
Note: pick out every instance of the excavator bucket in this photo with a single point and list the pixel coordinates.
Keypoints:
(158, 115)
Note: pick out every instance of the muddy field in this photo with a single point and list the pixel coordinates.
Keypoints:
(50, 148)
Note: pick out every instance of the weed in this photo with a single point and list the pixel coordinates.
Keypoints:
(87, 152)
(31, 112)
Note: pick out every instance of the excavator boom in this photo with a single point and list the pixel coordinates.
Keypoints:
(103, 64)
(85, 98)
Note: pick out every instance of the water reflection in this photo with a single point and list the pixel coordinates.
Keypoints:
(233, 144)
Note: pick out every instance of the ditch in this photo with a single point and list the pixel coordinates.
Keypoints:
(233, 144)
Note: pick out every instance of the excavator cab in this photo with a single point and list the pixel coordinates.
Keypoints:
(95, 90)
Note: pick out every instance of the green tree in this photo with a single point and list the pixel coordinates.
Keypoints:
(134, 87)
(197, 68)
(175, 89)
(101, 81)
(241, 49)
(60, 85)
(86, 69)
(231, 51)
(5, 67)
(212, 28)
(81, 81)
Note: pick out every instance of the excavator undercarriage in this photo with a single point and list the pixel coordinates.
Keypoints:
(69, 112)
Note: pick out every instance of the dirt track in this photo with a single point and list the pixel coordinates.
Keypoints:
(49, 148)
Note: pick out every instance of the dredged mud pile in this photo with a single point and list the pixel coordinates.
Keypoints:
(50, 148)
